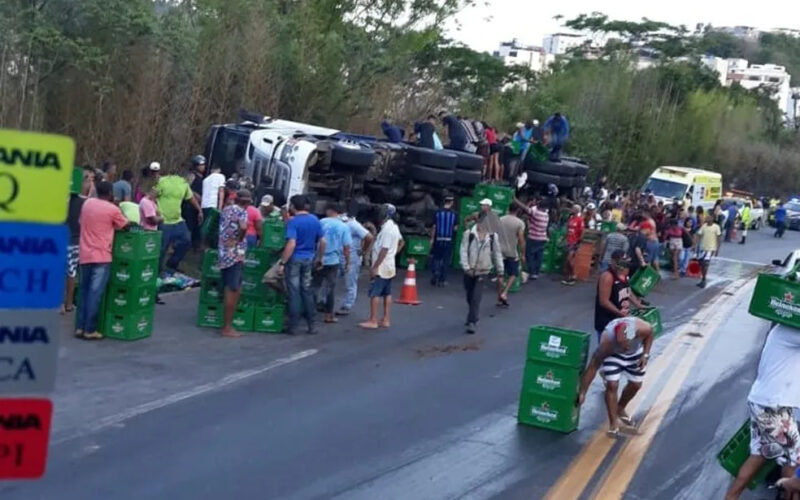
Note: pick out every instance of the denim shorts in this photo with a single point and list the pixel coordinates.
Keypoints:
(232, 277)
(380, 287)
(512, 266)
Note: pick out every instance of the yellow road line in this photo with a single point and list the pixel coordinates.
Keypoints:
(629, 459)
(571, 484)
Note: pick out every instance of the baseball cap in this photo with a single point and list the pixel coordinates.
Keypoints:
(266, 200)
(155, 166)
(590, 206)
(486, 201)
(536, 122)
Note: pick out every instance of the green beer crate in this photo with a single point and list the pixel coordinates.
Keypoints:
(243, 317)
(123, 299)
(210, 229)
(737, 450)
(468, 206)
(211, 264)
(253, 287)
(551, 380)
(273, 234)
(128, 326)
(608, 226)
(134, 272)
(258, 260)
(136, 244)
(548, 344)
(209, 315)
(76, 184)
(652, 315)
(211, 290)
(500, 195)
(548, 412)
(268, 319)
(420, 262)
(417, 245)
(777, 299)
(548, 265)
(644, 281)
(481, 191)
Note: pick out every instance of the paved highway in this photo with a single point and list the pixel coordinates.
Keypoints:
(420, 411)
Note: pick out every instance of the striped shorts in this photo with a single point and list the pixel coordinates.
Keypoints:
(617, 364)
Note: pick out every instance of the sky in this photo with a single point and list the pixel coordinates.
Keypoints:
(485, 25)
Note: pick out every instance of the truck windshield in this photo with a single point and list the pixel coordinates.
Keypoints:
(228, 152)
(665, 189)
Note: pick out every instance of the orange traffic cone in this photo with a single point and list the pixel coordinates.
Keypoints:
(408, 295)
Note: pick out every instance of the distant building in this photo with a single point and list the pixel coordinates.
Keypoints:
(561, 43)
(743, 32)
(768, 76)
(787, 31)
(514, 53)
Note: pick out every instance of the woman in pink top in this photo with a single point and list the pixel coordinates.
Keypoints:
(254, 226)
(494, 169)
(149, 217)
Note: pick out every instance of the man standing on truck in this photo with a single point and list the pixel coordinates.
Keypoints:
(772, 398)
(445, 224)
(557, 127)
(456, 133)
(387, 245)
(305, 246)
(426, 134)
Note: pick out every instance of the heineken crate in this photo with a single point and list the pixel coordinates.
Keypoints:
(417, 245)
(259, 260)
(134, 272)
(608, 226)
(563, 347)
(481, 191)
(128, 326)
(500, 210)
(737, 451)
(273, 234)
(243, 317)
(644, 281)
(268, 319)
(211, 264)
(136, 244)
(468, 206)
(210, 229)
(548, 265)
(500, 195)
(76, 184)
(124, 299)
(420, 262)
(653, 316)
(548, 412)
(551, 380)
(253, 286)
(211, 290)
(776, 299)
(209, 315)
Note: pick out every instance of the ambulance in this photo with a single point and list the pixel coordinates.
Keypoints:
(694, 186)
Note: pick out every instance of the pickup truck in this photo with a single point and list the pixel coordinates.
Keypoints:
(757, 213)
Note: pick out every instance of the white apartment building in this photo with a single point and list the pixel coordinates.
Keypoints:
(561, 43)
(514, 53)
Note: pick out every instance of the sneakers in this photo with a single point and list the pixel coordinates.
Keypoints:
(343, 311)
(702, 284)
(534, 276)
(568, 282)
(470, 328)
(92, 336)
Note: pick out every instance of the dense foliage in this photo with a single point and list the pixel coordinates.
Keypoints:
(141, 80)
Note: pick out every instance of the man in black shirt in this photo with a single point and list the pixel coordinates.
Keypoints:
(74, 226)
(426, 130)
(614, 297)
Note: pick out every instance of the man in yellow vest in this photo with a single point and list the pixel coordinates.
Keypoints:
(745, 216)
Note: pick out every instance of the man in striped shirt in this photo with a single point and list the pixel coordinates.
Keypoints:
(445, 223)
(538, 220)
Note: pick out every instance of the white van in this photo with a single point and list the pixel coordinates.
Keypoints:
(696, 187)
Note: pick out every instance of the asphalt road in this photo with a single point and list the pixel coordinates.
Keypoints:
(414, 412)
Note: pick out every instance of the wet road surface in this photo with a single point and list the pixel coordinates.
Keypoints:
(419, 411)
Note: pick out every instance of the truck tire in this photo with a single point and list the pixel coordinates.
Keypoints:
(430, 175)
(566, 181)
(544, 179)
(443, 160)
(564, 169)
(350, 154)
(579, 181)
(467, 177)
(581, 169)
(468, 161)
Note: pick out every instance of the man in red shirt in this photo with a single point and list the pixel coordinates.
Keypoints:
(575, 226)
(99, 218)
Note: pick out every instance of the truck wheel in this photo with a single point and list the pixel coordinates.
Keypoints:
(468, 161)
(563, 168)
(540, 178)
(431, 175)
(581, 169)
(444, 160)
(467, 177)
(579, 181)
(348, 154)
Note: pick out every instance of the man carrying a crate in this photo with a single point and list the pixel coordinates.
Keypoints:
(624, 348)
(774, 394)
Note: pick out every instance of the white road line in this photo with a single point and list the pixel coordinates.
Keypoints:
(737, 261)
(121, 417)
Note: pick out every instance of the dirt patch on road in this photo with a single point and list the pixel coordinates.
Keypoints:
(445, 350)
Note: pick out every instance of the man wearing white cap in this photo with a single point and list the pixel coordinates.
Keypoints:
(624, 348)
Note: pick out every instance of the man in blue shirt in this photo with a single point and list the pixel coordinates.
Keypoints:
(360, 243)
(558, 128)
(445, 223)
(730, 221)
(456, 133)
(337, 254)
(780, 220)
(392, 132)
(305, 246)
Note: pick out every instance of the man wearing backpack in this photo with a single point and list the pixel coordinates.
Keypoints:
(479, 250)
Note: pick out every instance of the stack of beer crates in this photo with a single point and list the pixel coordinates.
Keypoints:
(554, 364)
(554, 251)
(260, 308)
(130, 296)
(501, 196)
